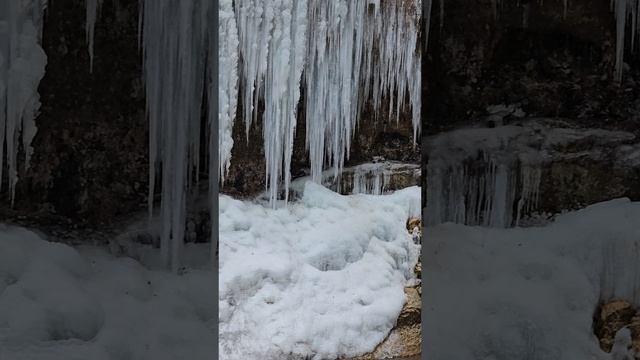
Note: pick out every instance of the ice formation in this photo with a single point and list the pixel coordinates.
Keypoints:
(93, 8)
(320, 279)
(358, 50)
(350, 51)
(227, 83)
(492, 176)
(22, 66)
(624, 11)
(488, 177)
(533, 289)
(482, 193)
(175, 46)
(370, 182)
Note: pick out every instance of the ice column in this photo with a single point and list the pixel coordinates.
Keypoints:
(273, 47)
(227, 83)
(22, 66)
(93, 8)
(624, 10)
(175, 45)
(494, 192)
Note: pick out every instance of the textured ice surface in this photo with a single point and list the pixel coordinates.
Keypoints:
(61, 303)
(528, 293)
(322, 277)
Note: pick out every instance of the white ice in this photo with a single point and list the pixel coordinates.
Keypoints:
(227, 83)
(322, 277)
(528, 293)
(63, 303)
(175, 45)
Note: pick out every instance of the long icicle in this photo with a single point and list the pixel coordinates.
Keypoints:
(22, 66)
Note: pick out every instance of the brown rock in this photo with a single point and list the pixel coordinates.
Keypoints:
(412, 223)
(610, 318)
(402, 343)
(634, 326)
(410, 314)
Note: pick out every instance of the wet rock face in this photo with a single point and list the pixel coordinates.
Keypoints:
(528, 53)
(610, 317)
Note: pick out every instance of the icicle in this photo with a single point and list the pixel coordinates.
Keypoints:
(282, 84)
(213, 73)
(427, 21)
(458, 194)
(174, 45)
(255, 23)
(93, 8)
(350, 54)
(272, 44)
(621, 17)
(227, 83)
(22, 66)
(370, 181)
(357, 54)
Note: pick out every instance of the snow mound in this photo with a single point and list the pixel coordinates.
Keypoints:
(322, 277)
(530, 293)
(61, 303)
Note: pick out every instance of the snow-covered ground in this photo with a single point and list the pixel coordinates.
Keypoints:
(321, 277)
(528, 293)
(64, 303)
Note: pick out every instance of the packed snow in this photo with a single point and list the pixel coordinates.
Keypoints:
(321, 278)
(64, 303)
(528, 293)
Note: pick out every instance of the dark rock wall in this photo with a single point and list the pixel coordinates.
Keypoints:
(90, 151)
(527, 53)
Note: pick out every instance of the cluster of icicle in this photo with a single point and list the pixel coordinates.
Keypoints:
(496, 192)
(350, 51)
(372, 181)
(176, 43)
(22, 66)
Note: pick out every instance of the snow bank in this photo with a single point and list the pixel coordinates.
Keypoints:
(59, 303)
(528, 293)
(322, 277)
